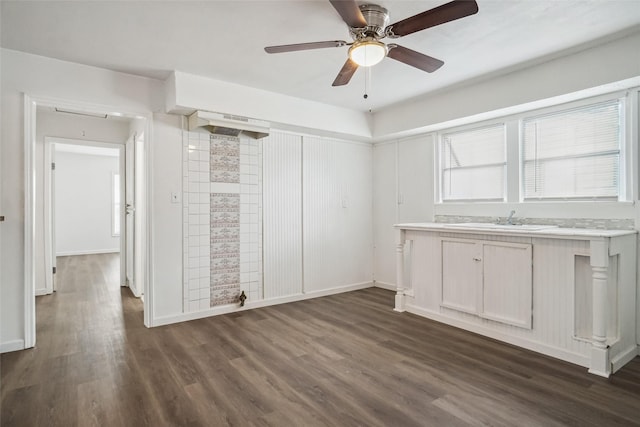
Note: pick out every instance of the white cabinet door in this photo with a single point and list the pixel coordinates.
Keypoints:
(490, 279)
(507, 283)
(461, 273)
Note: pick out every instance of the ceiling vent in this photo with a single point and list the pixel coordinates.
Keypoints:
(228, 125)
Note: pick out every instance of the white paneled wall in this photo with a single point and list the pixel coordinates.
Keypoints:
(384, 213)
(403, 192)
(302, 225)
(356, 236)
(337, 220)
(321, 213)
(282, 201)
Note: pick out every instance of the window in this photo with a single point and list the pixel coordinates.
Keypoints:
(573, 154)
(115, 204)
(473, 164)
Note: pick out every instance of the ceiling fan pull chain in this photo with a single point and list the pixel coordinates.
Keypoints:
(367, 77)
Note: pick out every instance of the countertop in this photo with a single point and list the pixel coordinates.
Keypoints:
(516, 230)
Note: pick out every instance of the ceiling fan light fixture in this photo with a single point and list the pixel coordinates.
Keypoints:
(367, 53)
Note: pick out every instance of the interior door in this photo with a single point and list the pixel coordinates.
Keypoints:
(52, 218)
(49, 235)
(129, 223)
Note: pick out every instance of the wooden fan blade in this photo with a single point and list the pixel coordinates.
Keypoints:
(447, 12)
(413, 58)
(350, 13)
(304, 46)
(345, 74)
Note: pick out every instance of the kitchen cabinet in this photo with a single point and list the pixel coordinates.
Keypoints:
(564, 292)
(492, 280)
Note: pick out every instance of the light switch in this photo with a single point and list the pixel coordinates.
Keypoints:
(175, 198)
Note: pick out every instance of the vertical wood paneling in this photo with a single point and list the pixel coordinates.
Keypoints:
(282, 214)
(337, 201)
(320, 208)
(507, 283)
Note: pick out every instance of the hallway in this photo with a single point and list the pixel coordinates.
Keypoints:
(81, 353)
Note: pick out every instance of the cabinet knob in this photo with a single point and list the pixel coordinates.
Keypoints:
(477, 259)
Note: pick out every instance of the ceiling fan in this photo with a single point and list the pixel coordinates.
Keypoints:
(368, 25)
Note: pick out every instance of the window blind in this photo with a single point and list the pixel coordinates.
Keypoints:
(473, 163)
(573, 154)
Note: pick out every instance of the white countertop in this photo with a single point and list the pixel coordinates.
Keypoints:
(515, 230)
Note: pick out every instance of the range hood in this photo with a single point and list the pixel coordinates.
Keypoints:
(229, 125)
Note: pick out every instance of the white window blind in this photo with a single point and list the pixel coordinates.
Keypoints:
(473, 163)
(573, 154)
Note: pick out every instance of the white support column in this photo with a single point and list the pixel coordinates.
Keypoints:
(400, 239)
(600, 364)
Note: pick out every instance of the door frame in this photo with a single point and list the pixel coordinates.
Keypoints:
(143, 165)
(49, 203)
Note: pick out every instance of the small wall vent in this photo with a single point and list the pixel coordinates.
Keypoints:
(228, 125)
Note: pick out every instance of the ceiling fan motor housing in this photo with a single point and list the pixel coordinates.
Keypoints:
(377, 18)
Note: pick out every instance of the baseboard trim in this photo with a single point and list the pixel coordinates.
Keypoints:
(385, 285)
(624, 357)
(538, 347)
(88, 252)
(9, 346)
(249, 305)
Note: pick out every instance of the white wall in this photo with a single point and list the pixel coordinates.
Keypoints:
(403, 192)
(385, 212)
(187, 92)
(44, 77)
(166, 224)
(83, 204)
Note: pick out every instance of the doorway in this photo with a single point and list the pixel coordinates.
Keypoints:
(83, 197)
(40, 216)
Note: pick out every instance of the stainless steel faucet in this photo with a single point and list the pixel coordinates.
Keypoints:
(510, 218)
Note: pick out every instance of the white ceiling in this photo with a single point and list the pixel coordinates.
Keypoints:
(224, 40)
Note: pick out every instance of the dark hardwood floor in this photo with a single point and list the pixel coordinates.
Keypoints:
(344, 360)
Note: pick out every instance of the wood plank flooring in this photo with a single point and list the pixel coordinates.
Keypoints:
(344, 360)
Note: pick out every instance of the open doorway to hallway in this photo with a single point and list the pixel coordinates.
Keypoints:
(86, 166)
(83, 198)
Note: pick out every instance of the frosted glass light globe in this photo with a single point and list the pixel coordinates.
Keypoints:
(367, 53)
